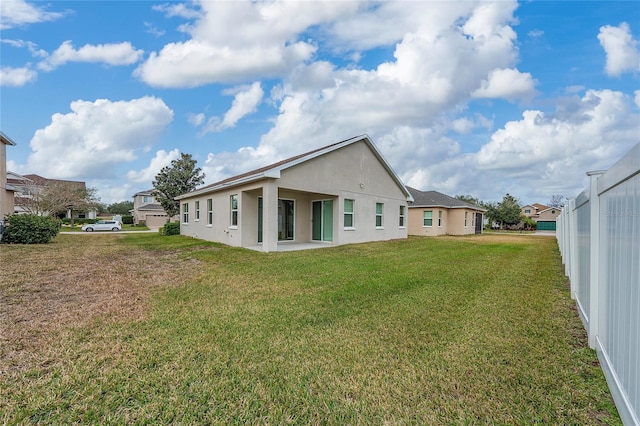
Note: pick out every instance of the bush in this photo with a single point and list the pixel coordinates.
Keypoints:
(30, 229)
(171, 228)
(127, 219)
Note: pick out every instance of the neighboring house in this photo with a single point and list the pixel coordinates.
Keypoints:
(544, 216)
(433, 213)
(339, 194)
(6, 191)
(148, 211)
(18, 183)
(27, 188)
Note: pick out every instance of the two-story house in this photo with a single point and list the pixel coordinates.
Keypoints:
(148, 211)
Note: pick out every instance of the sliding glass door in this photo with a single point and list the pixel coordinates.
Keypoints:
(322, 220)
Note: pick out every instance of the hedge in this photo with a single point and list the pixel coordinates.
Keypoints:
(30, 229)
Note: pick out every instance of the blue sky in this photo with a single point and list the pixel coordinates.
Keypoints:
(479, 98)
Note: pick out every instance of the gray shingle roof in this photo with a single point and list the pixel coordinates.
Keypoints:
(438, 199)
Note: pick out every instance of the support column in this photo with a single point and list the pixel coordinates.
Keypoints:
(594, 257)
(270, 216)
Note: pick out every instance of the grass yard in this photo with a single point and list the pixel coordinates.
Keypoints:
(140, 328)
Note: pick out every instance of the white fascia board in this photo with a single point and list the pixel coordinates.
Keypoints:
(268, 174)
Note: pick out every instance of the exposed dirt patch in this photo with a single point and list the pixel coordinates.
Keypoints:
(48, 288)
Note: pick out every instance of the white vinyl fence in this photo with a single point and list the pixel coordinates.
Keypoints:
(599, 237)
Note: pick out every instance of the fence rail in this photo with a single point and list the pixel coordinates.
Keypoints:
(598, 234)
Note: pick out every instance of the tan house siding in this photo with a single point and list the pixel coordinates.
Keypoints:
(549, 214)
(449, 215)
(6, 195)
(146, 209)
(351, 170)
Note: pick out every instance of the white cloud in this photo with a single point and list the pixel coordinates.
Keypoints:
(637, 98)
(15, 13)
(17, 76)
(268, 45)
(465, 125)
(436, 65)
(95, 137)
(195, 119)
(245, 102)
(110, 53)
(181, 10)
(621, 49)
(148, 174)
(33, 48)
(508, 84)
(548, 151)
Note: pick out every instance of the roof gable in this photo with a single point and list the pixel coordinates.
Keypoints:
(274, 170)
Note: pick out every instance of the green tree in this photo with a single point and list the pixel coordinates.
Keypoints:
(180, 177)
(121, 208)
(506, 212)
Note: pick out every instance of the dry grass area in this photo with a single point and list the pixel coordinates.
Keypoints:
(47, 289)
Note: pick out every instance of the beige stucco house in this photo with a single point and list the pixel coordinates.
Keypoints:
(6, 192)
(432, 213)
(147, 210)
(544, 216)
(338, 194)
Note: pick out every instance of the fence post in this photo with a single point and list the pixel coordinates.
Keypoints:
(572, 244)
(594, 257)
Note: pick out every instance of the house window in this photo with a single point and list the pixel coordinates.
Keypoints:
(440, 218)
(185, 213)
(197, 210)
(234, 210)
(427, 218)
(348, 213)
(527, 211)
(401, 222)
(147, 199)
(466, 216)
(379, 210)
(209, 211)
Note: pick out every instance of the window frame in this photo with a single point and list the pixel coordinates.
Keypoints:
(209, 211)
(439, 218)
(380, 215)
(197, 210)
(185, 213)
(234, 211)
(350, 214)
(425, 218)
(402, 216)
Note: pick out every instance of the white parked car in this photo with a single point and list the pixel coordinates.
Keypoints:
(103, 225)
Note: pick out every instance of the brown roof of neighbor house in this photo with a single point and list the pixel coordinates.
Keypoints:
(39, 180)
(438, 199)
(289, 162)
(147, 192)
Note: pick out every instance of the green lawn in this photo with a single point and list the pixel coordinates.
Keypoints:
(447, 330)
